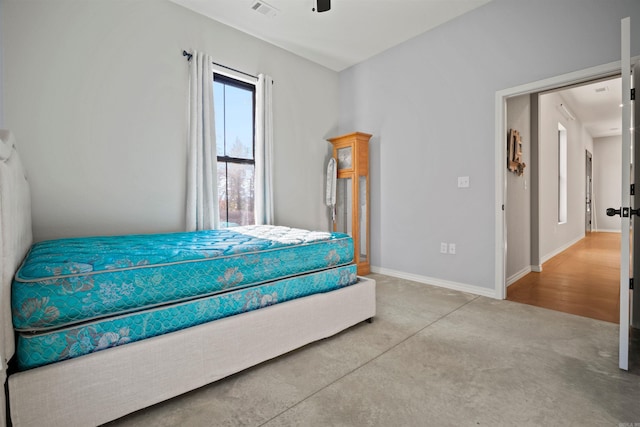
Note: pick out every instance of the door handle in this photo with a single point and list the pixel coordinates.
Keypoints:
(623, 211)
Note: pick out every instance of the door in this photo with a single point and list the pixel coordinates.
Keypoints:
(634, 297)
(626, 249)
(588, 190)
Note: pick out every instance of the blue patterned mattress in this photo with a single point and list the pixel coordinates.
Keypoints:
(40, 349)
(69, 281)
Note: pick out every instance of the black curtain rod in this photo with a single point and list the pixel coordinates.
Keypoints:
(189, 55)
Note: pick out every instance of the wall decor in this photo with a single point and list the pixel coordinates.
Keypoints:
(514, 153)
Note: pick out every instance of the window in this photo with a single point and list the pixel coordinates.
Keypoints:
(562, 174)
(234, 108)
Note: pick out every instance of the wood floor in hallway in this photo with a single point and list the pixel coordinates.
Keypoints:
(583, 280)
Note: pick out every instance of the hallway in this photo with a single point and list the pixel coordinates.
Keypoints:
(582, 280)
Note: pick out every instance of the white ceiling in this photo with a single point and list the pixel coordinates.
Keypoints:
(597, 106)
(351, 32)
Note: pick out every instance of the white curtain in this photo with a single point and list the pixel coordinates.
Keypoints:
(263, 184)
(202, 187)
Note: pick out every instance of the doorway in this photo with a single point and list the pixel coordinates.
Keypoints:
(565, 80)
(500, 154)
(550, 209)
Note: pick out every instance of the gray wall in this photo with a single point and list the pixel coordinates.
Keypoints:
(607, 181)
(96, 93)
(555, 237)
(1, 71)
(518, 199)
(430, 105)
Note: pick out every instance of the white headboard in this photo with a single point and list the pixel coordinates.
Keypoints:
(15, 233)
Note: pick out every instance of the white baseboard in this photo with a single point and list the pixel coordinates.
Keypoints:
(536, 268)
(519, 275)
(563, 248)
(462, 287)
(604, 230)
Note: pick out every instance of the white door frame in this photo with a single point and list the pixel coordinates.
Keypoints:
(593, 73)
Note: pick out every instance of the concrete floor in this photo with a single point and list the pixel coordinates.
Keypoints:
(432, 357)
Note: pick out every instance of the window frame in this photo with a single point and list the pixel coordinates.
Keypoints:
(562, 174)
(230, 81)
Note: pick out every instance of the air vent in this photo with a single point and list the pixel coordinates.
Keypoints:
(264, 8)
(602, 89)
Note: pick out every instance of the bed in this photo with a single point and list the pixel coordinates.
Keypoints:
(96, 328)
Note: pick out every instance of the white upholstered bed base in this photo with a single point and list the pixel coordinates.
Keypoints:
(109, 384)
(106, 385)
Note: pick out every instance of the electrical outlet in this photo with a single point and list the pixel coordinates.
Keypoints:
(463, 182)
(443, 248)
(452, 248)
